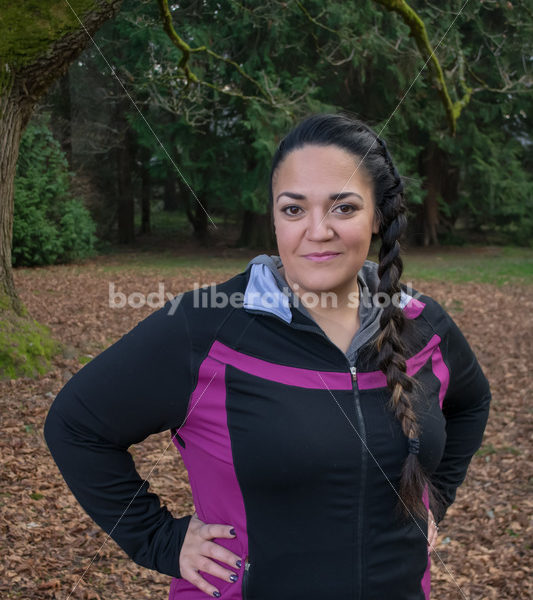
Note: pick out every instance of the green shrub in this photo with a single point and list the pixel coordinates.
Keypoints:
(49, 226)
(77, 231)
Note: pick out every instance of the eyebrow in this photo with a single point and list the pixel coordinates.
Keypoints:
(337, 196)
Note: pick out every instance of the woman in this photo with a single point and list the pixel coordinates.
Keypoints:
(320, 407)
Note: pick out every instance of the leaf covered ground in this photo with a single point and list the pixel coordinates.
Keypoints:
(47, 542)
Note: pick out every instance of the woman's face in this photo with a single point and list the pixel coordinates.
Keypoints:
(310, 219)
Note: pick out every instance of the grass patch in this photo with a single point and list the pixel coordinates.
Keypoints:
(488, 449)
(497, 265)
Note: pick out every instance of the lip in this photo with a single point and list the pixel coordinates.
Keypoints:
(321, 256)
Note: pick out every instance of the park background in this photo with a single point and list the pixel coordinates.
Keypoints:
(135, 147)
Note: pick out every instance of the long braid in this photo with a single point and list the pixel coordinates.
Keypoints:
(390, 345)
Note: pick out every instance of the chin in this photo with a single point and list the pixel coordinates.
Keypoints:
(320, 283)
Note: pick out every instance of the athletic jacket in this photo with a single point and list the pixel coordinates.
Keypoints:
(284, 437)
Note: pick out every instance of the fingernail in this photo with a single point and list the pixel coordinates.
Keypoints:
(216, 594)
(238, 563)
(233, 578)
(232, 531)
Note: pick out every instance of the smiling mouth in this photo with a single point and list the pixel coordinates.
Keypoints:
(321, 256)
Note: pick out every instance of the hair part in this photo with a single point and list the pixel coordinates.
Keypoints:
(374, 159)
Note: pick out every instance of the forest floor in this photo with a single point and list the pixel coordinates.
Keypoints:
(51, 549)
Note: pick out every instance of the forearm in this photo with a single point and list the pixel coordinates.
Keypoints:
(464, 437)
(137, 387)
(466, 409)
(104, 480)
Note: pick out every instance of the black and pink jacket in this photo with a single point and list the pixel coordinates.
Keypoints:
(284, 437)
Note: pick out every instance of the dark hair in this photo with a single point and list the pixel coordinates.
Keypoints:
(374, 159)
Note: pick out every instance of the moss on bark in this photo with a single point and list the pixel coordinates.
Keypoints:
(26, 346)
(28, 29)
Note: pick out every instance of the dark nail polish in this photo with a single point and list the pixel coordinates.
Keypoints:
(216, 594)
(232, 531)
(233, 577)
(238, 563)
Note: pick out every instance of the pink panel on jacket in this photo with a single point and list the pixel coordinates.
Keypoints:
(208, 452)
(305, 378)
(374, 379)
(442, 373)
(413, 308)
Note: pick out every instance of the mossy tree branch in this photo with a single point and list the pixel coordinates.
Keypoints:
(187, 51)
(314, 21)
(419, 33)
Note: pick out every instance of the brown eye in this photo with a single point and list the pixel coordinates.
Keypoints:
(346, 209)
(288, 210)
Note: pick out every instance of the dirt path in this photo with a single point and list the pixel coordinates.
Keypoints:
(47, 541)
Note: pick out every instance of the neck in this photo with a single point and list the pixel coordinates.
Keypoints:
(338, 305)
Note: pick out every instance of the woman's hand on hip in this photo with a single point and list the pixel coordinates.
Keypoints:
(197, 551)
(433, 532)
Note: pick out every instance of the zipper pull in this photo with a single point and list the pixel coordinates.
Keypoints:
(246, 564)
(353, 371)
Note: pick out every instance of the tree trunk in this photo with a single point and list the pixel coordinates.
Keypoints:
(126, 208)
(67, 142)
(146, 189)
(20, 88)
(197, 215)
(61, 121)
(434, 185)
(170, 193)
(201, 232)
(14, 118)
(450, 189)
(431, 216)
(256, 232)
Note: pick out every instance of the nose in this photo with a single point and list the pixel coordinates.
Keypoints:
(319, 226)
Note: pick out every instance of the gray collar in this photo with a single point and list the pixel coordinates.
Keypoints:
(268, 291)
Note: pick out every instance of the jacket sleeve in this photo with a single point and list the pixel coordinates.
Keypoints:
(466, 409)
(138, 386)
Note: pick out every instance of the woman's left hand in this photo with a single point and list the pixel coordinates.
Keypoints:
(433, 532)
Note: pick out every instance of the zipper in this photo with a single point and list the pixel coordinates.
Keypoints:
(362, 486)
(245, 576)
